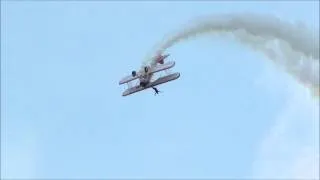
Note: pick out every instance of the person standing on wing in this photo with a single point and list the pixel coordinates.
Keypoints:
(156, 90)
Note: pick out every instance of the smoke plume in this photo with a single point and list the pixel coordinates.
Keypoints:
(291, 45)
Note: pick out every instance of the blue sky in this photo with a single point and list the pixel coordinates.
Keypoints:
(63, 116)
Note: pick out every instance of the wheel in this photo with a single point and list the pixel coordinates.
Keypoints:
(146, 69)
(134, 73)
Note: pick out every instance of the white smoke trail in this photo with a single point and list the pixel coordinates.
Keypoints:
(292, 46)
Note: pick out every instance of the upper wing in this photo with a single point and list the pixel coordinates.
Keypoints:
(162, 67)
(155, 69)
(161, 80)
(129, 78)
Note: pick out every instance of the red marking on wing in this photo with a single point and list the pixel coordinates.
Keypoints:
(160, 59)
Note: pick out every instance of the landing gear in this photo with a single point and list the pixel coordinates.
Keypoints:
(134, 73)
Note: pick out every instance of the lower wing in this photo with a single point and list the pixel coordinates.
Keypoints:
(161, 80)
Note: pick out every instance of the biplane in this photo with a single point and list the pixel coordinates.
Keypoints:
(145, 74)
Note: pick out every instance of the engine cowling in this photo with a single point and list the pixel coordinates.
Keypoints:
(134, 73)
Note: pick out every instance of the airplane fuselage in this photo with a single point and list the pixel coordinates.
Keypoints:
(146, 78)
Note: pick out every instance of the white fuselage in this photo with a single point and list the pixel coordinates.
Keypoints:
(145, 78)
